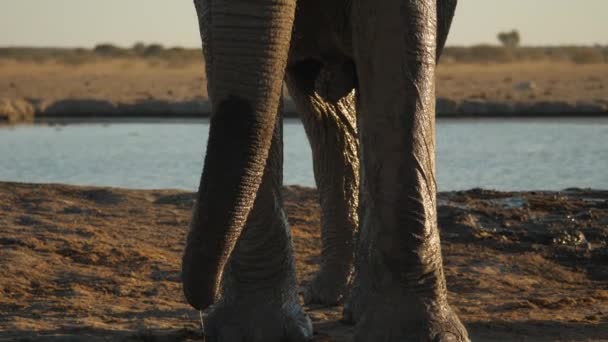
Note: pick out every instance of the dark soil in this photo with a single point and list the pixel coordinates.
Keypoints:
(82, 263)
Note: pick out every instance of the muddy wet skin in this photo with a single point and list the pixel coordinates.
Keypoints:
(82, 263)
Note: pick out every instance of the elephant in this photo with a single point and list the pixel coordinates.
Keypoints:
(362, 74)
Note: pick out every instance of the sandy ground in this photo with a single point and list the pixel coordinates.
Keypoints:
(114, 80)
(133, 80)
(83, 263)
(524, 82)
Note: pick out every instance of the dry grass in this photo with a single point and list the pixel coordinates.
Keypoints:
(116, 79)
(108, 73)
(182, 56)
(102, 52)
(501, 54)
(524, 81)
(130, 79)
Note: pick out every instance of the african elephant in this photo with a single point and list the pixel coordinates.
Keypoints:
(362, 75)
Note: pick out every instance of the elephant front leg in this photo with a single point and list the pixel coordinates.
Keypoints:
(259, 293)
(325, 96)
(406, 296)
(355, 303)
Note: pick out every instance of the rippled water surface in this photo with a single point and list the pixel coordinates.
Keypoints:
(504, 154)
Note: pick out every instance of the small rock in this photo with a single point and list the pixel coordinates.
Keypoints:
(15, 111)
(84, 107)
(485, 107)
(25, 220)
(446, 106)
(548, 107)
(590, 107)
(592, 317)
(525, 86)
(575, 238)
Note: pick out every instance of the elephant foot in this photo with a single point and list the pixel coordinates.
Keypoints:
(328, 287)
(257, 321)
(387, 320)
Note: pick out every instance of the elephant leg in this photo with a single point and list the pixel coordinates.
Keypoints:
(353, 307)
(395, 53)
(259, 293)
(355, 303)
(325, 96)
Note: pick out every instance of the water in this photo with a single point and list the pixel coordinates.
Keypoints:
(504, 154)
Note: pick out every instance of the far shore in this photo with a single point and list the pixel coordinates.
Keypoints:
(135, 89)
(105, 110)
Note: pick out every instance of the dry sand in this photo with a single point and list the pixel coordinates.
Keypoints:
(112, 80)
(132, 80)
(524, 82)
(84, 263)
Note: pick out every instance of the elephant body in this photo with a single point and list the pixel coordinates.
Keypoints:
(362, 76)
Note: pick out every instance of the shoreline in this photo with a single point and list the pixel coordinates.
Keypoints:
(441, 195)
(137, 88)
(18, 111)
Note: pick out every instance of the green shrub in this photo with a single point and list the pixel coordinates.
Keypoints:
(109, 50)
(509, 39)
(139, 48)
(502, 54)
(153, 50)
(588, 56)
(177, 57)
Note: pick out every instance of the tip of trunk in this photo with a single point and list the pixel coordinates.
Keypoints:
(200, 283)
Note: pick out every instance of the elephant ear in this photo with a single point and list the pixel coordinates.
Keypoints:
(246, 44)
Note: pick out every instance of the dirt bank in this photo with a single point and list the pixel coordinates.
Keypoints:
(127, 87)
(82, 263)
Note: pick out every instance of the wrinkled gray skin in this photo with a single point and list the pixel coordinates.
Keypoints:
(362, 75)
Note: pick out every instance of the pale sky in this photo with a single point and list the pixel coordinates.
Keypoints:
(75, 23)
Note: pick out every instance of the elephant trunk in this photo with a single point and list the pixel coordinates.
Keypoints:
(246, 46)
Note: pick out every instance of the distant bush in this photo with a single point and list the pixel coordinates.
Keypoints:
(76, 59)
(502, 54)
(479, 53)
(109, 50)
(139, 48)
(509, 39)
(588, 56)
(153, 50)
(179, 57)
(27, 54)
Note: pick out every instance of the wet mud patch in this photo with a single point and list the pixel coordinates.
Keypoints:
(86, 264)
